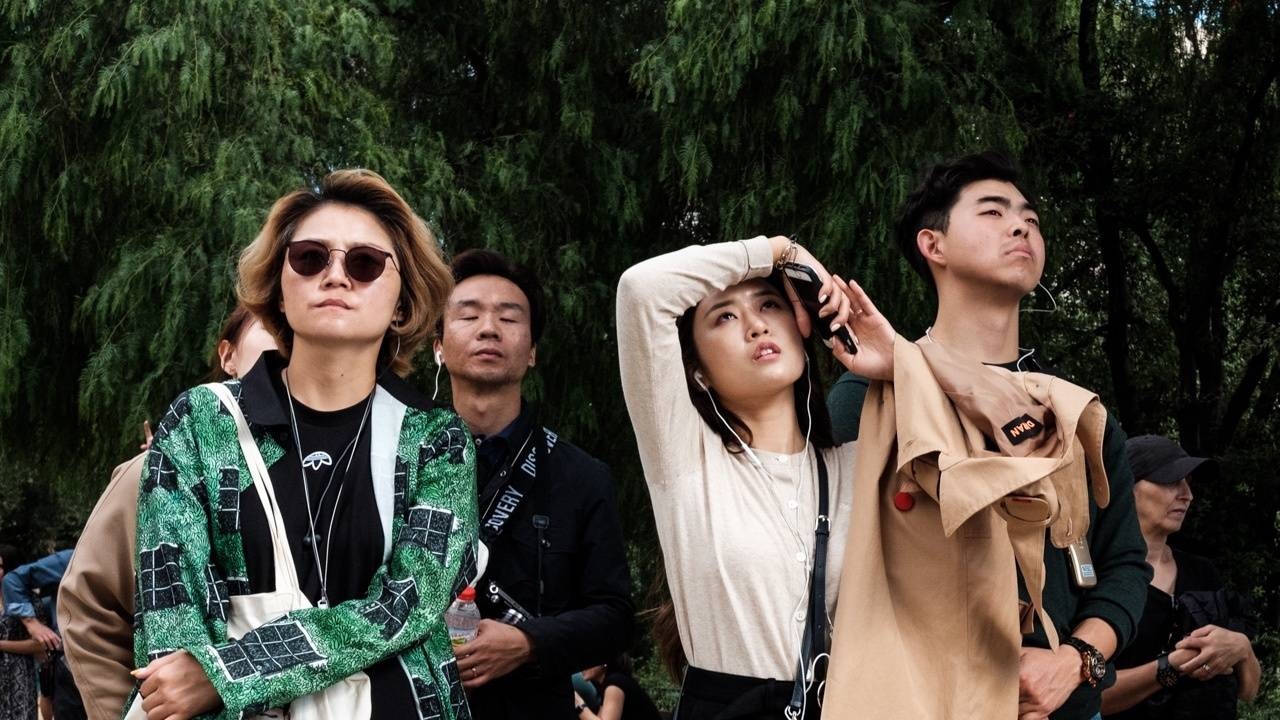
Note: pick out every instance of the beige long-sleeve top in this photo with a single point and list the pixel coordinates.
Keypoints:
(95, 599)
(737, 544)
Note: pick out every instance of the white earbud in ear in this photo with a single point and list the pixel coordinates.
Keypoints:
(439, 367)
(697, 377)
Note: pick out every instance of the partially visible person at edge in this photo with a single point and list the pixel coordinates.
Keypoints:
(372, 484)
(620, 696)
(22, 586)
(95, 600)
(548, 513)
(1191, 658)
(19, 653)
(973, 235)
(733, 436)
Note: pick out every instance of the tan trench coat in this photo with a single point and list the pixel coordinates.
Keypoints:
(929, 624)
(95, 599)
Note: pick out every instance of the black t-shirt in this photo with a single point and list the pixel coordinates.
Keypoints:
(636, 704)
(355, 550)
(1162, 626)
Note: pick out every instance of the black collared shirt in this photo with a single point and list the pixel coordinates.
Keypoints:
(496, 451)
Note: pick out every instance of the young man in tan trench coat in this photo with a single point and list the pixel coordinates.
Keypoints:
(974, 236)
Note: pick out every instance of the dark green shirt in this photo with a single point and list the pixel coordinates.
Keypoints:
(1115, 541)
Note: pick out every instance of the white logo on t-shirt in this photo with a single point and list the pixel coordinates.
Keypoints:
(317, 460)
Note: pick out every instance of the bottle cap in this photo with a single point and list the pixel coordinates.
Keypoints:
(468, 594)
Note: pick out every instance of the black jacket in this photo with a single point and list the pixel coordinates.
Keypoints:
(587, 614)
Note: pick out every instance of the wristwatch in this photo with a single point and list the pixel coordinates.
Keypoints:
(577, 709)
(1093, 666)
(1167, 675)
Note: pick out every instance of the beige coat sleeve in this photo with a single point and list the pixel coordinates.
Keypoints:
(95, 599)
(652, 296)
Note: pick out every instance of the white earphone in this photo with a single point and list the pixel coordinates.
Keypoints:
(808, 674)
(697, 377)
(439, 367)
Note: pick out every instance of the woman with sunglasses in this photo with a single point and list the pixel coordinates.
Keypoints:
(736, 445)
(363, 496)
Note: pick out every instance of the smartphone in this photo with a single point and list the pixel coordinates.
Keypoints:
(1082, 563)
(807, 286)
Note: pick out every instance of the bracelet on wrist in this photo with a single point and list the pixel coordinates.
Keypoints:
(1166, 674)
(788, 254)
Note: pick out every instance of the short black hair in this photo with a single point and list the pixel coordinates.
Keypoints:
(929, 205)
(479, 261)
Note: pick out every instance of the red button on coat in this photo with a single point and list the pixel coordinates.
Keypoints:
(904, 501)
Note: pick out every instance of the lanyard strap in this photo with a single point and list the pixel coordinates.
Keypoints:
(522, 472)
(814, 642)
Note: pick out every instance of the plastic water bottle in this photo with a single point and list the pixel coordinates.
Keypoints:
(462, 617)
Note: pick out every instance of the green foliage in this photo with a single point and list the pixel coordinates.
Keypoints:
(1266, 705)
(142, 144)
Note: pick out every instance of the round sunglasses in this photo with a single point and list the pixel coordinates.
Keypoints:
(363, 263)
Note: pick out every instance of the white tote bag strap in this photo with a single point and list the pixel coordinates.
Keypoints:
(286, 573)
(384, 437)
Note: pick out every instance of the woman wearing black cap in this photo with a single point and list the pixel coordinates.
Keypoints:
(1190, 657)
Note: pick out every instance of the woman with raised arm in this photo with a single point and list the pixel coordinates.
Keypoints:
(301, 531)
(737, 452)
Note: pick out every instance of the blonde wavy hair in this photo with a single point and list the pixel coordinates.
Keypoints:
(425, 279)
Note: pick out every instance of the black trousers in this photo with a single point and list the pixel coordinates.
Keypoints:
(67, 704)
(710, 695)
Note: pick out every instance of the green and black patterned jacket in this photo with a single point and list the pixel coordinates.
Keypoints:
(191, 561)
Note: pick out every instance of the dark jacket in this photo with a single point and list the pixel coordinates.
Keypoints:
(587, 613)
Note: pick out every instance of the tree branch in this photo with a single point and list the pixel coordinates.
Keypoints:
(1254, 371)
(1163, 273)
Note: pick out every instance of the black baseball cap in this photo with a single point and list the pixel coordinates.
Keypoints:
(1160, 460)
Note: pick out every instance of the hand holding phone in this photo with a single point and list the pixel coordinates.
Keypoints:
(808, 287)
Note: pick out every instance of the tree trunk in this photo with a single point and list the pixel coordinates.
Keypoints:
(1099, 184)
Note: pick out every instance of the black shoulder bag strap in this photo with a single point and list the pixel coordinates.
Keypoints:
(814, 642)
(541, 515)
(517, 480)
(520, 478)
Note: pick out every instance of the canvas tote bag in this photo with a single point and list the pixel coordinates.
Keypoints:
(348, 699)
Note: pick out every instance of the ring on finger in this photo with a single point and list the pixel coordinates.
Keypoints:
(1206, 668)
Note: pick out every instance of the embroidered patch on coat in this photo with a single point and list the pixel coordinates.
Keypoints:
(450, 442)
(160, 578)
(268, 650)
(160, 472)
(428, 527)
(394, 604)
